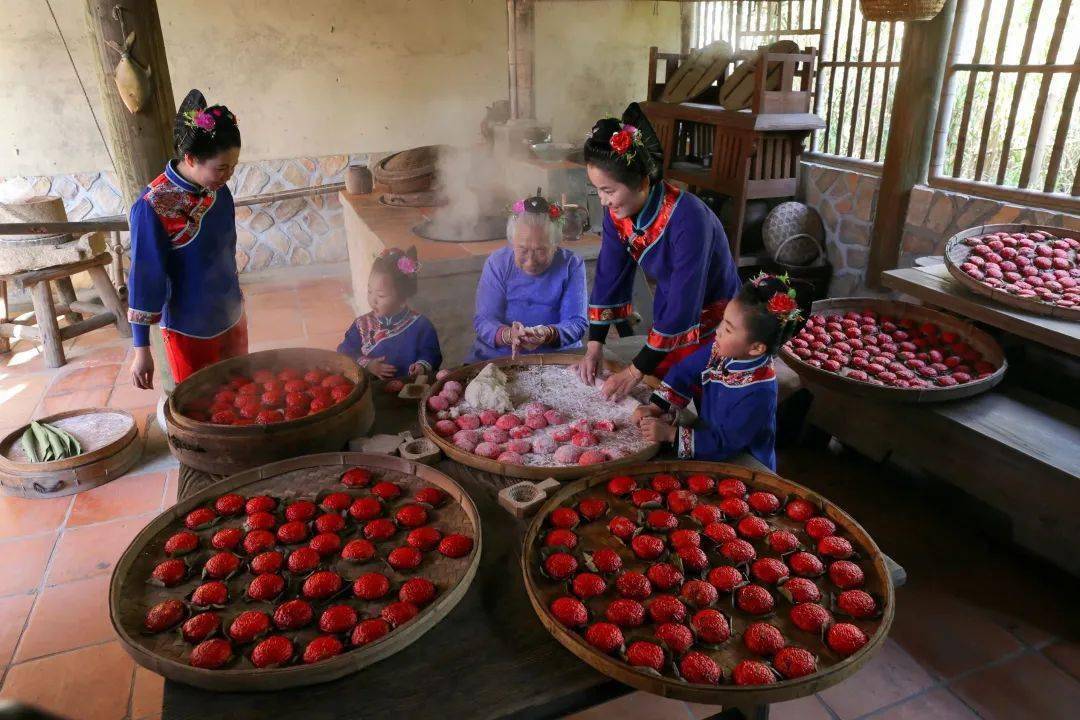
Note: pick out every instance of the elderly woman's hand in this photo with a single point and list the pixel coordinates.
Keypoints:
(621, 383)
(589, 366)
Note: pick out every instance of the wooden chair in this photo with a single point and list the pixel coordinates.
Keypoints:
(81, 316)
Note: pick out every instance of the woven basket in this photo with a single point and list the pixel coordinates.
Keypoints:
(900, 10)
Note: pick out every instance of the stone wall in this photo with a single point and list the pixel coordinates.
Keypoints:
(936, 215)
(846, 202)
(300, 231)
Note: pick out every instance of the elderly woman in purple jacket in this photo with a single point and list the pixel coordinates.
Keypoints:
(531, 297)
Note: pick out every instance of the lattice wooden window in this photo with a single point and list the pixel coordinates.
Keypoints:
(1009, 103)
(858, 65)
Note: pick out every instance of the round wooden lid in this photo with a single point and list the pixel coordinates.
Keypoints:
(102, 432)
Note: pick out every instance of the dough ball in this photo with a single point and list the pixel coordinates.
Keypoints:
(466, 437)
(521, 431)
(508, 421)
(437, 403)
(536, 422)
(488, 417)
(592, 457)
(511, 458)
(451, 396)
(585, 439)
(446, 428)
(563, 434)
(604, 425)
(496, 435)
(468, 421)
(443, 374)
(452, 386)
(567, 454)
(581, 426)
(519, 446)
(535, 408)
(554, 417)
(464, 444)
(544, 444)
(488, 450)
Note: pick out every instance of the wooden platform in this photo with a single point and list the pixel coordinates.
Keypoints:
(1013, 450)
(935, 286)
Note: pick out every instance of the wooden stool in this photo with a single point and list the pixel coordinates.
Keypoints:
(47, 331)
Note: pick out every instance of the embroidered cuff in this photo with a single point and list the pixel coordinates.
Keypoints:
(665, 396)
(502, 336)
(609, 314)
(426, 365)
(363, 361)
(666, 343)
(684, 443)
(142, 317)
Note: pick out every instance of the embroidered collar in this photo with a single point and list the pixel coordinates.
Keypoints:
(390, 321)
(649, 211)
(733, 365)
(178, 180)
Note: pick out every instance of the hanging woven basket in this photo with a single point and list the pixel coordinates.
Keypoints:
(900, 10)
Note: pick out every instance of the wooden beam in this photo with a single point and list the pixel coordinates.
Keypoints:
(911, 134)
(141, 142)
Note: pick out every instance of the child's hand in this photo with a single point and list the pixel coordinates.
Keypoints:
(380, 369)
(417, 368)
(656, 430)
(645, 411)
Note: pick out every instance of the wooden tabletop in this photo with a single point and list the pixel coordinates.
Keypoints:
(490, 658)
(934, 285)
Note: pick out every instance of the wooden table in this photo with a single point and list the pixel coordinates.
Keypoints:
(934, 285)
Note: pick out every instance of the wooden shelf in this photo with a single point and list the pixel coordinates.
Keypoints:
(934, 285)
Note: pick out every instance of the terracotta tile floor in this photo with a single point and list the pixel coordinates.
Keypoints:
(981, 630)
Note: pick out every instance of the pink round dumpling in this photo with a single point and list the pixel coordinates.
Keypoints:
(567, 454)
(468, 421)
(496, 435)
(467, 436)
(464, 444)
(544, 444)
(442, 374)
(508, 421)
(521, 431)
(592, 457)
(437, 403)
(585, 439)
(451, 396)
(535, 408)
(488, 450)
(604, 425)
(554, 417)
(488, 417)
(519, 446)
(511, 458)
(446, 428)
(562, 434)
(581, 426)
(452, 386)
(536, 422)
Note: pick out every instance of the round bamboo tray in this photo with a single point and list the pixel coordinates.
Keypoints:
(110, 443)
(956, 253)
(831, 668)
(228, 449)
(466, 373)
(973, 336)
(166, 653)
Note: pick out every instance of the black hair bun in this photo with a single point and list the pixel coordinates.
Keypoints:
(646, 160)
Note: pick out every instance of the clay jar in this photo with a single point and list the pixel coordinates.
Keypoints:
(358, 180)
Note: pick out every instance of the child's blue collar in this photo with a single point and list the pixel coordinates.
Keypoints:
(390, 320)
(736, 365)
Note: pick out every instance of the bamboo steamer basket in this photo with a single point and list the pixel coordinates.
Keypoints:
(967, 331)
(832, 669)
(466, 373)
(228, 449)
(110, 443)
(900, 10)
(130, 596)
(956, 254)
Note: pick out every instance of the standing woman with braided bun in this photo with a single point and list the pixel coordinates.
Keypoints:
(676, 240)
(183, 250)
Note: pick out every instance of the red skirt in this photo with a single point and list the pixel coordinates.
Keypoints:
(673, 357)
(188, 354)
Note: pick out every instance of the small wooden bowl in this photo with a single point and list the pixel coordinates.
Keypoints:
(956, 254)
(967, 332)
(130, 596)
(466, 373)
(831, 668)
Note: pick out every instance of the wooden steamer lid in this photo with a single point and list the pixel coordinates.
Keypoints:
(738, 90)
(697, 72)
(110, 444)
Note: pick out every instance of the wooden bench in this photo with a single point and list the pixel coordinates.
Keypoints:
(82, 317)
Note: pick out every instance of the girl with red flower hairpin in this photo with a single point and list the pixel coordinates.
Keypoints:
(393, 340)
(737, 407)
(183, 273)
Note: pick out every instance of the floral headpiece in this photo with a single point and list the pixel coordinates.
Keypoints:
(782, 305)
(538, 205)
(206, 119)
(406, 265)
(626, 141)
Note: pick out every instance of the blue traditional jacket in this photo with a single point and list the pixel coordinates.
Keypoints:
(506, 293)
(737, 409)
(401, 340)
(681, 247)
(183, 260)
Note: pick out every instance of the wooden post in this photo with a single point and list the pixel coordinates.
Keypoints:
(45, 315)
(524, 49)
(911, 135)
(686, 27)
(142, 142)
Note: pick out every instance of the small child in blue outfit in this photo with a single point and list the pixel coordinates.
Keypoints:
(734, 378)
(393, 340)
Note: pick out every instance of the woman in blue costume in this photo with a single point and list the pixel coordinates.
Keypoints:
(676, 240)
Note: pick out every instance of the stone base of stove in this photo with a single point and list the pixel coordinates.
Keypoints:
(449, 272)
